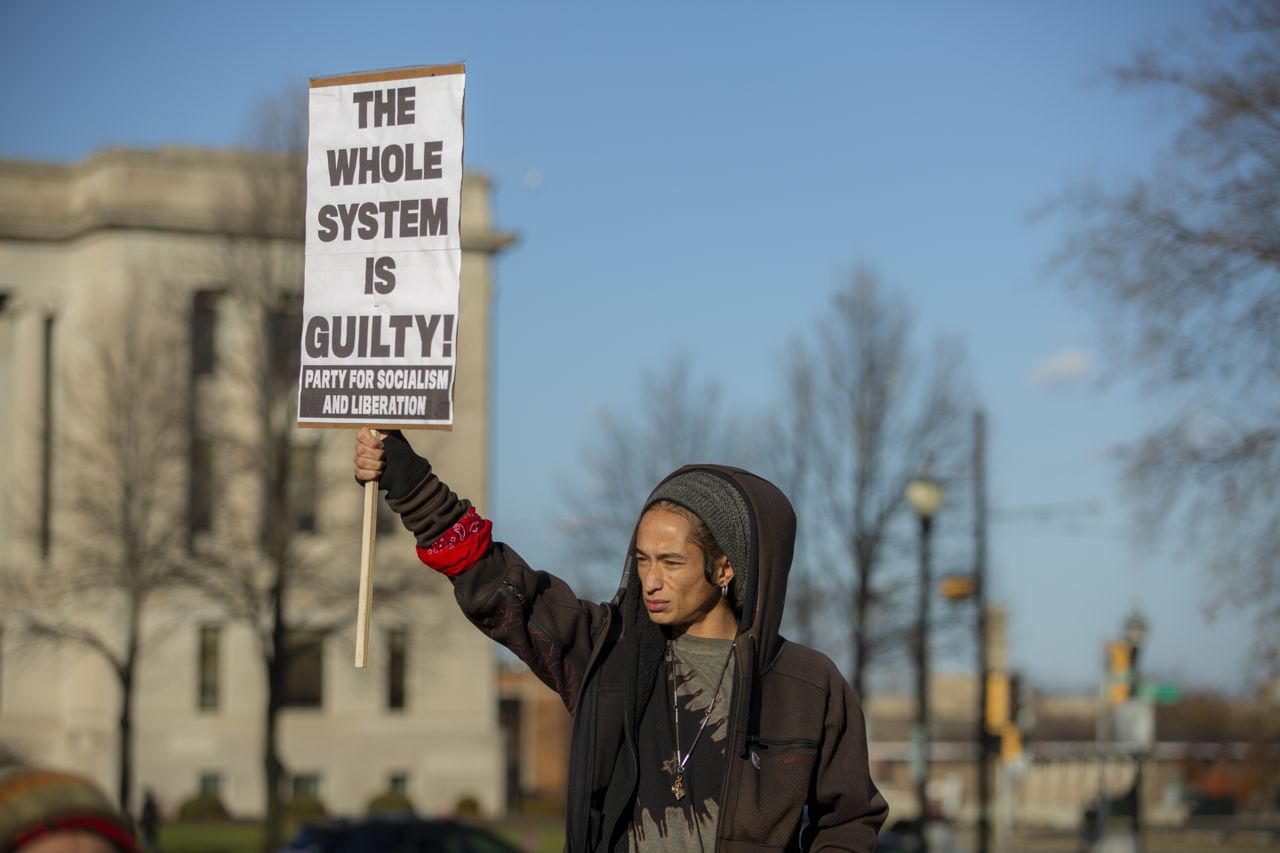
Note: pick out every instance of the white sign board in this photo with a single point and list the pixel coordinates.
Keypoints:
(1135, 724)
(383, 252)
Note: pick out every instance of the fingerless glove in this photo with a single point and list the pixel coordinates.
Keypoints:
(404, 468)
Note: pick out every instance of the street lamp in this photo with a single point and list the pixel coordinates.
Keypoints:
(925, 495)
(1135, 634)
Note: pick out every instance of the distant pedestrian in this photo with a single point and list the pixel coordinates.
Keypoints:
(149, 822)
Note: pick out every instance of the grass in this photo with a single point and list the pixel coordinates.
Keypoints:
(212, 838)
(541, 836)
(532, 836)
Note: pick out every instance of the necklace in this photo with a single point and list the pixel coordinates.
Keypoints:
(677, 787)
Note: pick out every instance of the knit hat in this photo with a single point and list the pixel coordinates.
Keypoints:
(36, 802)
(725, 512)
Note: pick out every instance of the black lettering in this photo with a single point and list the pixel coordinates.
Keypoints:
(388, 209)
(328, 228)
(362, 349)
(446, 347)
(411, 172)
(362, 99)
(427, 331)
(434, 213)
(431, 154)
(317, 337)
(392, 163)
(386, 269)
(368, 220)
(377, 349)
(342, 166)
(369, 165)
(343, 347)
(404, 110)
(399, 323)
(384, 107)
(347, 212)
(409, 220)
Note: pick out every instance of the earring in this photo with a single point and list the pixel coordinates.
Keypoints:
(724, 590)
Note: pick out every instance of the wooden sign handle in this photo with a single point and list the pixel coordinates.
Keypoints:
(364, 610)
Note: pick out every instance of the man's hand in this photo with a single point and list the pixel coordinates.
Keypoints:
(389, 459)
(370, 457)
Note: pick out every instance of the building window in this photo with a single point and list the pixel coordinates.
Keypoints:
(211, 783)
(304, 669)
(304, 485)
(204, 332)
(306, 785)
(509, 713)
(398, 783)
(397, 651)
(199, 489)
(208, 667)
(283, 328)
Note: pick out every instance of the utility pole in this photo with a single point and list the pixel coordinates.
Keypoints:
(980, 595)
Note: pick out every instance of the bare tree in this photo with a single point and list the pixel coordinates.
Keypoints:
(121, 525)
(1184, 267)
(249, 569)
(675, 421)
(790, 463)
(867, 411)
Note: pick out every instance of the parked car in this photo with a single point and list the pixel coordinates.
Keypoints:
(396, 834)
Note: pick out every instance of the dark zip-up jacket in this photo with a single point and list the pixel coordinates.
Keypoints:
(798, 775)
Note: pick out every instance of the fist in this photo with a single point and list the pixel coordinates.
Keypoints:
(370, 457)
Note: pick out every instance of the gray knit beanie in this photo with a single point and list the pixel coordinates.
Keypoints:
(725, 512)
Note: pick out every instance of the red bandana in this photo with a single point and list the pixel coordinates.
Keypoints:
(461, 546)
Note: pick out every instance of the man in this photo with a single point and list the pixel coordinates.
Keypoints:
(696, 727)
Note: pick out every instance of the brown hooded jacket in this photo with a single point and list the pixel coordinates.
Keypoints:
(798, 775)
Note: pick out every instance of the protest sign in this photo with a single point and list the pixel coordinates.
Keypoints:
(383, 259)
(383, 252)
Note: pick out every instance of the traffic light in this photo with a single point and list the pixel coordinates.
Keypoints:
(1011, 737)
(1119, 672)
(997, 714)
(1001, 714)
(1010, 743)
(958, 587)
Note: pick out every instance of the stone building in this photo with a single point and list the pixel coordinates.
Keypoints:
(104, 251)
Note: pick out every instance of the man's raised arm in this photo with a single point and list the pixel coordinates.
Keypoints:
(534, 614)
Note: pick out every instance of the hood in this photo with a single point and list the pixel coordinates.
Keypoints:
(769, 529)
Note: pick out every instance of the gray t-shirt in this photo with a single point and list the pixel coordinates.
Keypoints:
(660, 821)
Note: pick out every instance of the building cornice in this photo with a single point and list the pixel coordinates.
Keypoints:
(142, 190)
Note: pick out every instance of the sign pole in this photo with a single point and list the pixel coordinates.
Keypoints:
(367, 540)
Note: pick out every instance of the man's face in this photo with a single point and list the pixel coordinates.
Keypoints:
(677, 593)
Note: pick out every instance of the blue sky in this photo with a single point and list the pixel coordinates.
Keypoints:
(708, 173)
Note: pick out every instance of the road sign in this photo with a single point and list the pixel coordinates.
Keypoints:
(1161, 692)
(1135, 724)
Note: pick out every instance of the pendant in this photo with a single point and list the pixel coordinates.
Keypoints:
(677, 787)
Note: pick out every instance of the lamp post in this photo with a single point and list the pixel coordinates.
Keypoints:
(980, 598)
(1135, 634)
(925, 496)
